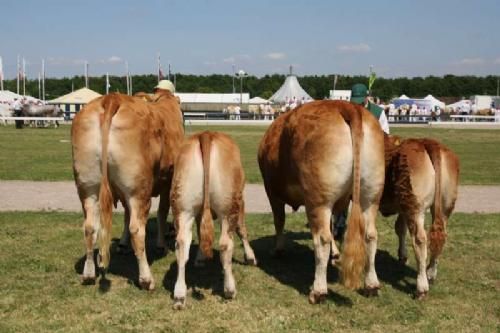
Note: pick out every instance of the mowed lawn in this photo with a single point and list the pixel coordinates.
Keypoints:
(45, 154)
(42, 257)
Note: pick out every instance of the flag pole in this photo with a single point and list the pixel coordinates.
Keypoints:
(24, 77)
(131, 91)
(107, 83)
(86, 74)
(43, 80)
(39, 85)
(159, 67)
(1, 74)
(18, 73)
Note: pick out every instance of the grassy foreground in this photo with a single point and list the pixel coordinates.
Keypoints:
(42, 257)
(45, 154)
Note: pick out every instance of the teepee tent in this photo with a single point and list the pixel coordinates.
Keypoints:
(434, 101)
(290, 89)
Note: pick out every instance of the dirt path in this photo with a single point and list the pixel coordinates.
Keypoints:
(62, 196)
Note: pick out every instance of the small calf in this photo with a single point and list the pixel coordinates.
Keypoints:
(208, 181)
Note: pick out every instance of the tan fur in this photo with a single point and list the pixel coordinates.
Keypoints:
(409, 192)
(124, 150)
(208, 180)
(304, 160)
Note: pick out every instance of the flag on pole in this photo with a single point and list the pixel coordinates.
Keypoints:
(168, 75)
(371, 80)
(1, 74)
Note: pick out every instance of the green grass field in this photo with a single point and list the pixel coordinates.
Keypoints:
(45, 154)
(42, 258)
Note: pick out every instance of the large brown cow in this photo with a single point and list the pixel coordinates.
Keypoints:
(420, 174)
(318, 155)
(208, 180)
(124, 149)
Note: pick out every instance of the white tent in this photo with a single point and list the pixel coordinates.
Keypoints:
(403, 97)
(7, 97)
(80, 96)
(434, 101)
(257, 100)
(290, 89)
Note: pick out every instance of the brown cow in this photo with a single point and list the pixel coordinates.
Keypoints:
(124, 149)
(318, 155)
(420, 174)
(208, 180)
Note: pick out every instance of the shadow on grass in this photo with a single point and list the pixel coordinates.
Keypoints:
(295, 267)
(209, 276)
(391, 271)
(125, 263)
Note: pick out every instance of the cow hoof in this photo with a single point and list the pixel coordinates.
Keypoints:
(179, 303)
(420, 295)
(88, 280)
(147, 284)
(316, 297)
(229, 294)
(371, 291)
(403, 260)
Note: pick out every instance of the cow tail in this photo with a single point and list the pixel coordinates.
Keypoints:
(354, 252)
(207, 224)
(110, 106)
(437, 232)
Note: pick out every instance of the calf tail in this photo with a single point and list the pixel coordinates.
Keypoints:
(437, 232)
(354, 252)
(207, 224)
(110, 106)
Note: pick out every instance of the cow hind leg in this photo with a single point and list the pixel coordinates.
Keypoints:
(241, 230)
(419, 240)
(124, 244)
(319, 221)
(200, 259)
(278, 209)
(226, 246)
(161, 220)
(139, 210)
(184, 224)
(90, 229)
(372, 284)
(400, 229)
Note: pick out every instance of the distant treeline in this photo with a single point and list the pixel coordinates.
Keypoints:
(317, 86)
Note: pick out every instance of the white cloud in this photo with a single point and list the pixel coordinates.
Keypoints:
(497, 61)
(354, 48)
(209, 63)
(276, 55)
(114, 59)
(229, 60)
(236, 58)
(469, 62)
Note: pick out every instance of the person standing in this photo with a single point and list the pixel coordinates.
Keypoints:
(359, 95)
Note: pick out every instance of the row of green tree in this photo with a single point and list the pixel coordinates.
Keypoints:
(317, 86)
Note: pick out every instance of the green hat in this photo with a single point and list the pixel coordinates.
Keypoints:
(358, 93)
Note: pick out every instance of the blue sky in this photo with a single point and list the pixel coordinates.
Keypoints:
(397, 38)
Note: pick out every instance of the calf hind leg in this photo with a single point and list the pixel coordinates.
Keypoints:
(137, 227)
(419, 240)
(90, 229)
(400, 229)
(278, 209)
(319, 220)
(184, 223)
(226, 245)
(241, 230)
